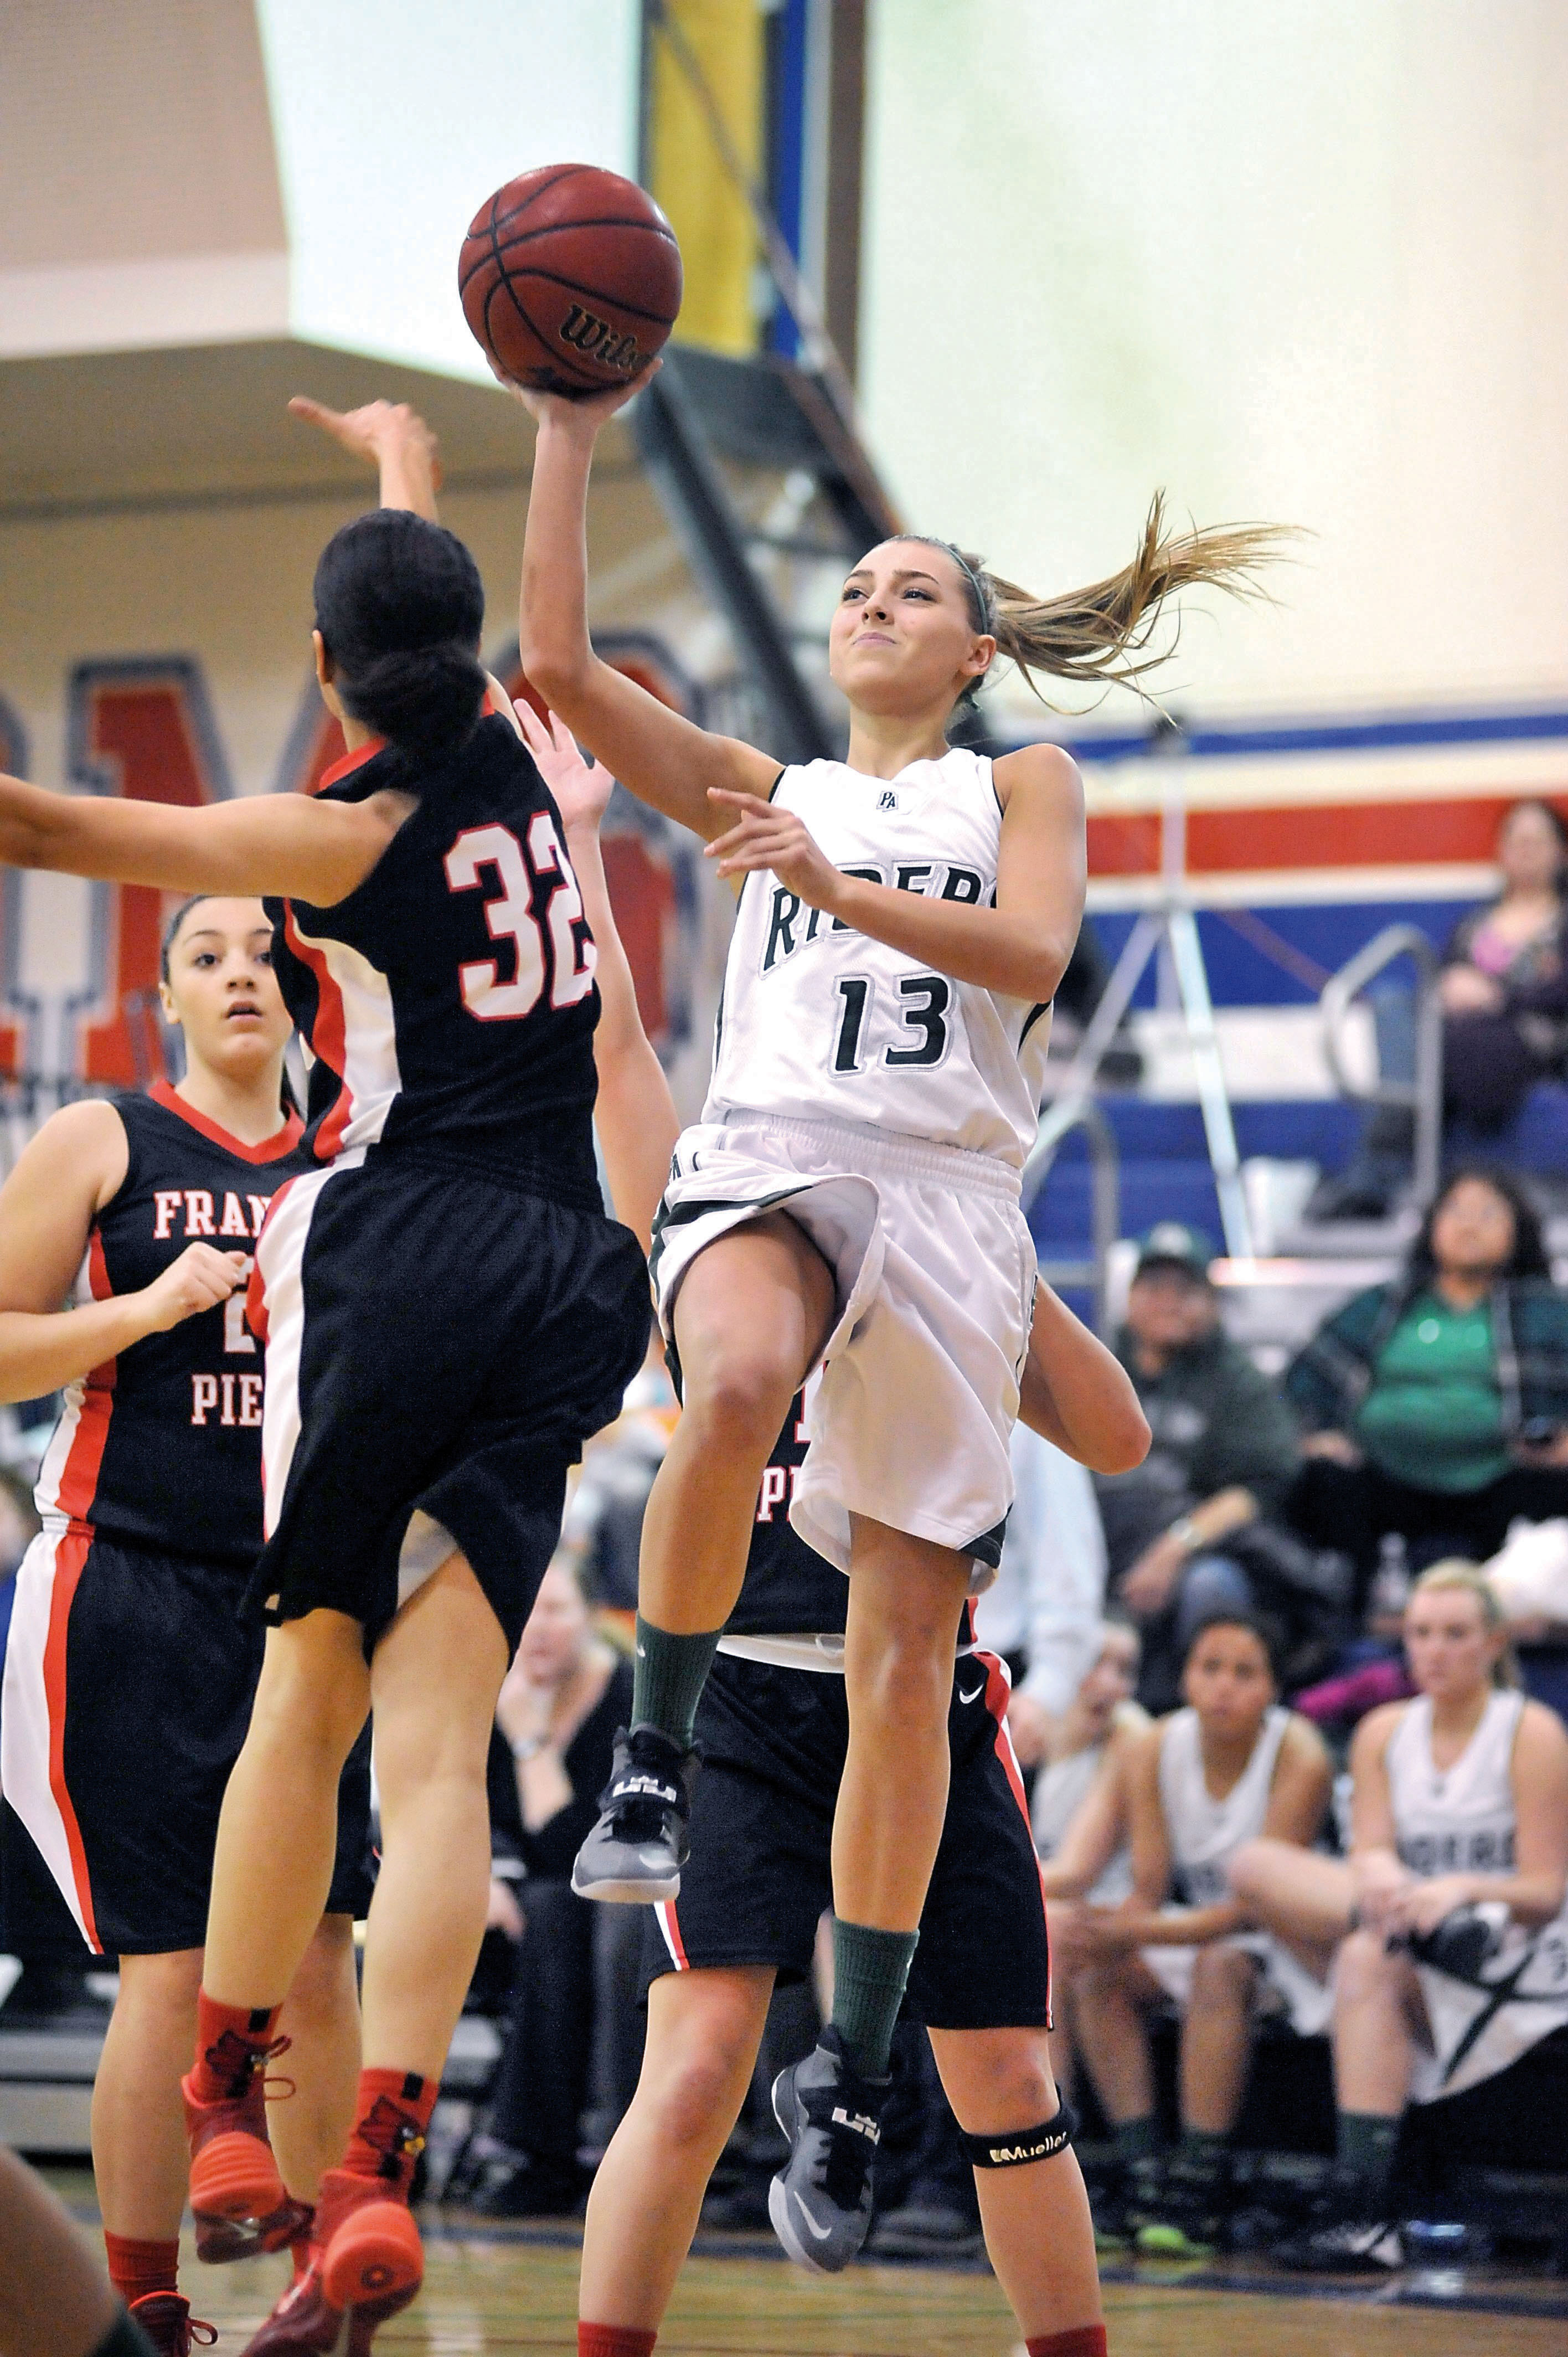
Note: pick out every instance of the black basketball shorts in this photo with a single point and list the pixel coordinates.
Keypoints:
(760, 1871)
(129, 1678)
(439, 1346)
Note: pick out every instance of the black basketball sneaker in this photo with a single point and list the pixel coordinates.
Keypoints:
(820, 2201)
(635, 1853)
(1353, 2230)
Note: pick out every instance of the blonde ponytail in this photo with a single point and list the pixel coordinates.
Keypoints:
(1103, 634)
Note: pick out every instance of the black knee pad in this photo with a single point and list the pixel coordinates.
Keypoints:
(1019, 2147)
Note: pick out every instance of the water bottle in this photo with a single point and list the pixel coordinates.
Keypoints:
(1390, 1586)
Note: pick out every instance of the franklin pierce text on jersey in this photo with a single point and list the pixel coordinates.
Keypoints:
(161, 1447)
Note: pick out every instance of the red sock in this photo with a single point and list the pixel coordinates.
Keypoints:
(1083, 2341)
(137, 2268)
(614, 2340)
(299, 2249)
(395, 2119)
(225, 2034)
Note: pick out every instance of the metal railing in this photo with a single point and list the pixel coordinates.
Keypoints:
(1422, 1096)
(1059, 1121)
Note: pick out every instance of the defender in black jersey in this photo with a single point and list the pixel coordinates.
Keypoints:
(129, 1675)
(773, 1727)
(450, 1005)
(449, 1315)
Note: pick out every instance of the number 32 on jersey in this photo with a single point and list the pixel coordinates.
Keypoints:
(520, 869)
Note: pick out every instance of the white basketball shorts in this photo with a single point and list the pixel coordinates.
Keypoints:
(935, 1271)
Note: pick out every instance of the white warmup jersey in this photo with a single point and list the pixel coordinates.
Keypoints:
(819, 1021)
(1062, 1788)
(889, 1110)
(1461, 1820)
(1205, 1834)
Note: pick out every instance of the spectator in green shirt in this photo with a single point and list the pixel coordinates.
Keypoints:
(1437, 1406)
(1196, 1529)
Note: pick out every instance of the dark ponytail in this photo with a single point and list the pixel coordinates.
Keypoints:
(399, 606)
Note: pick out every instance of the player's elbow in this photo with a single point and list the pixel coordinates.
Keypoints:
(555, 659)
(1122, 1445)
(550, 669)
(1044, 961)
(31, 835)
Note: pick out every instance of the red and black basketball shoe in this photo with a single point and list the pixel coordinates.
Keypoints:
(366, 2264)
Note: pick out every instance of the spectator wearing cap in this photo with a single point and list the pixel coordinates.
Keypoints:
(1190, 1532)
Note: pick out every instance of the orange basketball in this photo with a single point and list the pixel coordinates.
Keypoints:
(570, 278)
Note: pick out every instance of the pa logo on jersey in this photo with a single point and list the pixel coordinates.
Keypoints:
(887, 801)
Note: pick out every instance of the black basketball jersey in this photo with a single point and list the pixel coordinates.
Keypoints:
(449, 1002)
(162, 1445)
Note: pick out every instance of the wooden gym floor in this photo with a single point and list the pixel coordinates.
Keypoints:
(514, 2287)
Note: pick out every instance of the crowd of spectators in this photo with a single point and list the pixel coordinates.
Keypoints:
(1503, 987)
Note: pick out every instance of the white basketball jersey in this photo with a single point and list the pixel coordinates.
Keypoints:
(1462, 1820)
(819, 1021)
(1204, 1833)
(1457, 1820)
(1062, 1788)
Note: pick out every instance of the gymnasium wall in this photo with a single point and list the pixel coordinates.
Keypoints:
(1301, 261)
(166, 653)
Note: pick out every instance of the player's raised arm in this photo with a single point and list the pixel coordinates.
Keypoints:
(634, 1113)
(392, 437)
(665, 760)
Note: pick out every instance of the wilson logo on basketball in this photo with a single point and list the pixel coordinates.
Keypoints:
(589, 334)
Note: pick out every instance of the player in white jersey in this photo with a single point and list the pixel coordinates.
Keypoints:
(1227, 1766)
(1451, 1905)
(850, 1195)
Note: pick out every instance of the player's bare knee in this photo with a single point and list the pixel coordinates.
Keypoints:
(902, 1684)
(1248, 1870)
(1007, 2084)
(1222, 1975)
(165, 1984)
(694, 2100)
(741, 1397)
(1364, 1968)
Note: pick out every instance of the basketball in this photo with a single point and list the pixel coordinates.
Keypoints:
(570, 278)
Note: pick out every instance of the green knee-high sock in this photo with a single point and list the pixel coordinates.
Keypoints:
(667, 1678)
(870, 1971)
